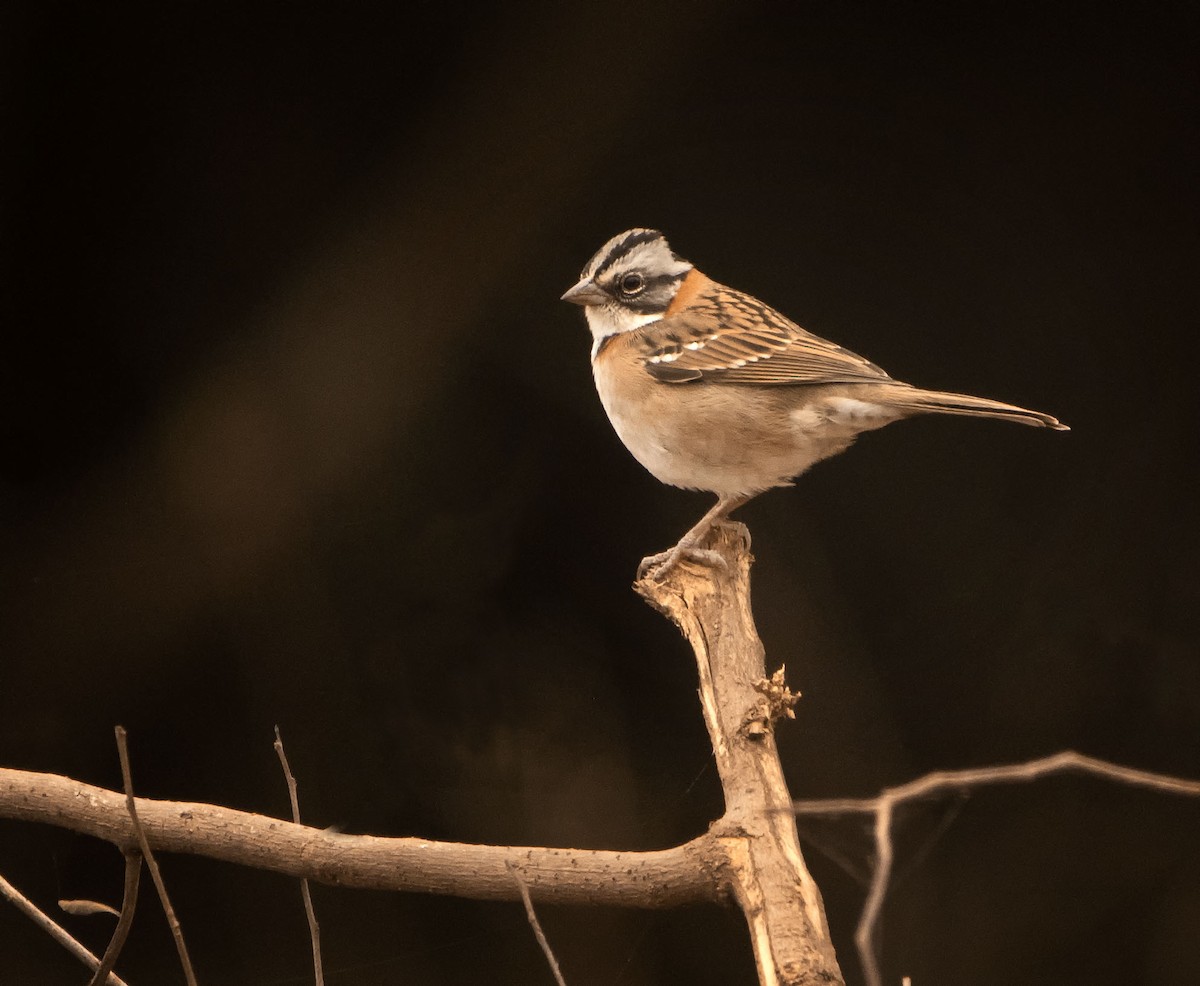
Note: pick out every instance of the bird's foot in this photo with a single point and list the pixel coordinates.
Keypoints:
(658, 567)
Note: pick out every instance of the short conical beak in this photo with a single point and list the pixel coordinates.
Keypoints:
(585, 293)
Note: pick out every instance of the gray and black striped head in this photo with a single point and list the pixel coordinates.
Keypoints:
(630, 281)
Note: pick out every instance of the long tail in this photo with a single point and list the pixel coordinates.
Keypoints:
(932, 401)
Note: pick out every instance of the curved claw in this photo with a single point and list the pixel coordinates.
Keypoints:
(658, 567)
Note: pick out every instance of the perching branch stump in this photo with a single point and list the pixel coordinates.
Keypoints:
(763, 868)
(750, 855)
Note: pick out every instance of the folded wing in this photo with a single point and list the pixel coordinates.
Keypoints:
(730, 337)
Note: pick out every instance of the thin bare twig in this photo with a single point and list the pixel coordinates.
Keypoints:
(151, 863)
(536, 925)
(941, 780)
(133, 873)
(314, 929)
(55, 930)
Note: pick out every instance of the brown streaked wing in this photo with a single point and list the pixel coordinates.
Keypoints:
(726, 336)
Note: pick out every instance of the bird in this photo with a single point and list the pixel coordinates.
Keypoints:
(711, 389)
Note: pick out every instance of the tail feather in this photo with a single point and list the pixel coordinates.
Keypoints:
(937, 402)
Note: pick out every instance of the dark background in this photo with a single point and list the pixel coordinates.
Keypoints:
(296, 431)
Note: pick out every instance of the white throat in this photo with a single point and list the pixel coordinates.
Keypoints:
(605, 321)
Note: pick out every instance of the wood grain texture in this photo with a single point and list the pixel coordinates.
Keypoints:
(763, 867)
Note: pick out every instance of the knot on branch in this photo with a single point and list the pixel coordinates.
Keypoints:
(778, 702)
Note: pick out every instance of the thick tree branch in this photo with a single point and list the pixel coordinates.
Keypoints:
(751, 854)
(763, 865)
(663, 878)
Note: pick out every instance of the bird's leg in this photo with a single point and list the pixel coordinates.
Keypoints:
(657, 566)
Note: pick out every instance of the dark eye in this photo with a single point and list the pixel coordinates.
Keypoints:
(632, 283)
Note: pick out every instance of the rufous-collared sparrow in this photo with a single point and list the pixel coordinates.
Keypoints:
(711, 389)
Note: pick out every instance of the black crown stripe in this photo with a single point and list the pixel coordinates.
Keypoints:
(634, 238)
